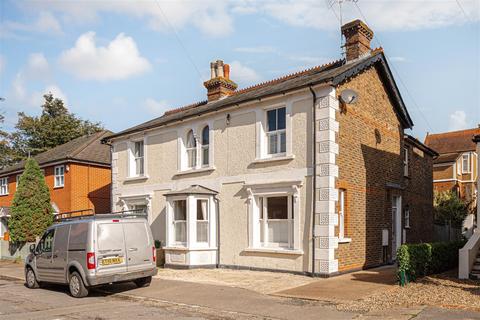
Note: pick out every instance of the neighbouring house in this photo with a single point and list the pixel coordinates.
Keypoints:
(469, 255)
(309, 173)
(77, 173)
(456, 167)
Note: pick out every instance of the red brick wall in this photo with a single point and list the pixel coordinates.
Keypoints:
(371, 145)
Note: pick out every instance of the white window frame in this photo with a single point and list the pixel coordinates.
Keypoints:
(407, 218)
(207, 221)
(193, 149)
(261, 191)
(191, 222)
(466, 156)
(205, 147)
(262, 133)
(132, 163)
(406, 161)
(4, 186)
(264, 233)
(277, 133)
(197, 129)
(341, 213)
(59, 177)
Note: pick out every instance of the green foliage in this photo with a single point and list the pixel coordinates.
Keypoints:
(55, 126)
(449, 208)
(418, 260)
(5, 150)
(31, 211)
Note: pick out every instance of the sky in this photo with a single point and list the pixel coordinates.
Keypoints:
(124, 62)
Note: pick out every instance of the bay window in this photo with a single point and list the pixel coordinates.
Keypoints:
(202, 220)
(466, 163)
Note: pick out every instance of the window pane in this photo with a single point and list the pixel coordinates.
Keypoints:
(139, 166)
(202, 231)
(205, 156)
(181, 231)
(191, 142)
(281, 118)
(272, 120)
(192, 158)
(205, 136)
(277, 208)
(202, 213)
(139, 149)
(278, 231)
(180, 210)
(272, 143)
(283, 142)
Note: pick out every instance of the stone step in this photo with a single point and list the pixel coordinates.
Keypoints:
(475, 276)
(476, 267)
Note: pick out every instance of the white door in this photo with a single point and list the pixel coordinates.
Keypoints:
(396, 224)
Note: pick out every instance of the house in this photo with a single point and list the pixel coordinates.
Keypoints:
(284, 175)
(469, 255)
(456, 167)
(77, 173)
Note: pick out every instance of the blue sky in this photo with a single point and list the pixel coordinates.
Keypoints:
(125, 62)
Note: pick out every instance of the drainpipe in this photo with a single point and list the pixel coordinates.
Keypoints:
(314, 179)
(111, 173)
(217, 201)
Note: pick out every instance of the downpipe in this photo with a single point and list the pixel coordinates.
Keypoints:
(314, 178)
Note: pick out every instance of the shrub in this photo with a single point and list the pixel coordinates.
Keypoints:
(418, 260)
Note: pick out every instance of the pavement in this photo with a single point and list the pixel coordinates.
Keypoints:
(346, 287)
(166, 299)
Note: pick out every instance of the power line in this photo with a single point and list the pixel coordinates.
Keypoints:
(178, 39)
(377, 39)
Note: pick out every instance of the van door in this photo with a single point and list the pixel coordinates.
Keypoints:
(139, 245)
(43, 256)
(111, 257)
(60, 254)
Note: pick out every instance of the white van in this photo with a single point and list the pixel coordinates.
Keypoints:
(90, 250)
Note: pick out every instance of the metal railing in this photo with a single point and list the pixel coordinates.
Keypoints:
(90, 213)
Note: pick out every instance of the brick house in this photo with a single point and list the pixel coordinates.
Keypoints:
(284, 175)
(77, 173)
(456, 168)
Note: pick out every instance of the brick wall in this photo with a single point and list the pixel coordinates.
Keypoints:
(370, 163)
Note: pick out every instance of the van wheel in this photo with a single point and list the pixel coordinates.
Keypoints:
(31, 279)
(143, 282)
(77, 288)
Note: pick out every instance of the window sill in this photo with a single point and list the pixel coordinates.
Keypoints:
(139, 178)
(3, 195)
(274, 250)
(199, 170)
(189, 249)
(344, 240)
(58, 187)
(274, 159)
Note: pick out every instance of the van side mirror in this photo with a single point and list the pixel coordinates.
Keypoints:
(32, 248)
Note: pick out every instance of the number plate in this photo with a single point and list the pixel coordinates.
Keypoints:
(110, 261)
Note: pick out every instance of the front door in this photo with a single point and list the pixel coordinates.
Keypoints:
(43, 257)
(396, 225)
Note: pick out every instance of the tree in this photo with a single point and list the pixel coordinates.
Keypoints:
(31, 211)
(5, 150)
(449, 208)
(55, 126)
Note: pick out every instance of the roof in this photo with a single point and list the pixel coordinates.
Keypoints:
(193, 189)
(447, 157)
(86, 148)
(333, 73)
(453, 142)
(417, 143)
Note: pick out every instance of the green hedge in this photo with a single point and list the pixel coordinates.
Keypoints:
(418, 260)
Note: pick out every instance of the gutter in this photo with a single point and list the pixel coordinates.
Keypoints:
(314, 178)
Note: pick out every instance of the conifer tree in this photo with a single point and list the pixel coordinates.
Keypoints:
(31, 211)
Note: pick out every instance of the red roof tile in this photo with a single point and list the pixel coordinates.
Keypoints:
(452, 142)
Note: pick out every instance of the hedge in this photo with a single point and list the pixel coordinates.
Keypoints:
(418, 260)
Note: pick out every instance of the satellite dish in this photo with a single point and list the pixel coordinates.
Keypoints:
(349, 96)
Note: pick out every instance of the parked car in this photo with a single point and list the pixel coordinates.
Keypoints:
(92, 250)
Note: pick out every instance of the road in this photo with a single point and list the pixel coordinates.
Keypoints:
(54, 302)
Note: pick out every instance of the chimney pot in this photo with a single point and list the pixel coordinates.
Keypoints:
(357, 39)
(219, 85)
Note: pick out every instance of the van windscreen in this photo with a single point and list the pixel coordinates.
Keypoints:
(110, 236)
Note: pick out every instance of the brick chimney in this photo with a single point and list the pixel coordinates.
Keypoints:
(219, 85)
(357, 39)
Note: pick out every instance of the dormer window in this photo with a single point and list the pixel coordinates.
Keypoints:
(205, 146)
(191, 147)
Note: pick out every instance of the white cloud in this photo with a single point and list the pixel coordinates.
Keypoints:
(37, 67)
(458, 120)
(156, 108)
(120, 59)
(48, 23)
(398, 59)
(57, 92)
(243, 74)
(45, 23)
(2, 64)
